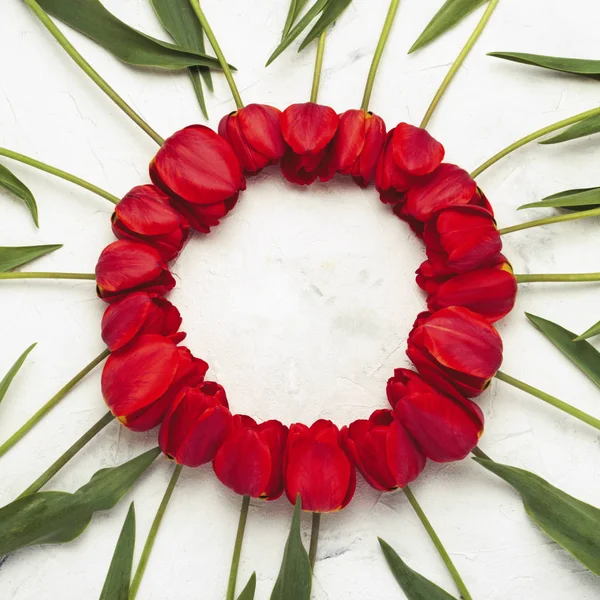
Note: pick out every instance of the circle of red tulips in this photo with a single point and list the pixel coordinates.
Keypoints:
(150, 379)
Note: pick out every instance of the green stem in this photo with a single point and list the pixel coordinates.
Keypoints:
(479, 453)
(584, 214)
(90, 72)
(534, 136)
(438, 544)
(314, 92)
(459, 61)
(58, 173)
(574, 412)
(33, 275)
(42, 412)
(556, 277)
(314, 540)
(237, 549)
(210, 34)
(383, 38)
(141, 568)
(56, 466)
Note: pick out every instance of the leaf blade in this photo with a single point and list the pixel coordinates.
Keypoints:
(588, 333)
(584, 128)
(250, 589)
(332, 11)
(15, 186)
(296, 7)
(12, 372)
(12, 257)
(575, 199)
(574, 66)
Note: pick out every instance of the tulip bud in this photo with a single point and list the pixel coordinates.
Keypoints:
(254, 133)
(144, 215)
(250, 461)
(196, 425)
(125, 267)
(458, 346)
(317, 468)
(445, 425)
(383, 451)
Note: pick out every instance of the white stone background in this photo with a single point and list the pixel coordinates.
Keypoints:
(301, 302)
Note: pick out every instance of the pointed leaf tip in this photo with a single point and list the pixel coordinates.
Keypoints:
(12, 372)
(250, 589)
(10, 182)
(12, 257)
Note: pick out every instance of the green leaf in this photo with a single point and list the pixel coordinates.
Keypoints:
(250, 589)
(331, 12)
(573, 524)
(295, 576)
(579, 199)
(59, 517)
(16, 256)
(8, 378)
(415, 586)
(584, 128)
(583, 354)
(127, 44)
(14, 185)
(575, 66)
(118, 579)
(591, 332)
(451, 13)
(296, 7)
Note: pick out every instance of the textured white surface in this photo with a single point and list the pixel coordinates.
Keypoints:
(302, 300)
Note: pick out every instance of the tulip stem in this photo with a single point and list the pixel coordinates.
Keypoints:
(90, 71)
(460, 584)
(574, 412)
(237, 549)
(534, 136)
(210, 34)
(314, 539)
(479, 453)
(459, 61)
(58, 173)
(56, 466)
(34, 275)
(383, 38)
(314, 92)
(42, 412)
(584, 214)
(160, 513)
(556, 277)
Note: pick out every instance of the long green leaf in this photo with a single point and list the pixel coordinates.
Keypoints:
(127, 44)
(8, 378)
(59, 517)
(118, 579)
(451, 13)
(414, 585)
(14, 185)
(296, 7)
(588, 333)
(584, 128)
(579, 199)
(575, 66)
(295, 576)
(12, 257)
(573, 524)
(583, 354)
(332, 11)
(250, 589)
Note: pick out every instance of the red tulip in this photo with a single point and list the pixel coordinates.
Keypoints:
(250, 461)
(138, 314)
(383, 451)
(445, 425)
(308, 129)
(357, 145)
(140, 380)
(457, 345)
(415, 151)
(254, 133)
(196, 425)
(201, 174)
(125, 267)
(145, 215)
(316, 467)
(391, 181)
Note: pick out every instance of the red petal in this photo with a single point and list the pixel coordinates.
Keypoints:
(308, 128)
(261, 125)
(124, 319)
(415, 150)
(405, 459)
(349, 140)
(375, 137)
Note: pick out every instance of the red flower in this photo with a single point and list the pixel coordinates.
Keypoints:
(391, 181)
(254, 133)
(456, 345)
(316, 467)
(145, 215)
(445, 425)
(140, 380)
(383, 451)
(137, 314)
(357, 145)
(415, 151)
(125, 267)
(196, 425)
(250, 461)
(200, 172)
(308, 129)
